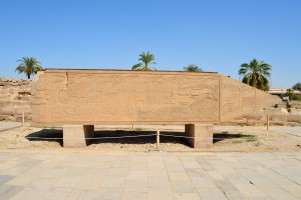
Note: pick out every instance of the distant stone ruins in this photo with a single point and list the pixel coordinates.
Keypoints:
(15, 98)
(79, 99)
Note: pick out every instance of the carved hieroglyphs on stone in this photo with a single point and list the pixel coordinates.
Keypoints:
(62, 96)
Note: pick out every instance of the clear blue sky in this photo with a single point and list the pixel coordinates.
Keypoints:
(217, 35)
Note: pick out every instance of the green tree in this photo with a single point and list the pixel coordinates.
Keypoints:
(29, 66)
(256, 74)
(297, 86)
(146, 59)
(192, 68)
(292, 96)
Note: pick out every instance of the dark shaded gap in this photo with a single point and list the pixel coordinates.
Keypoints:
(136, 137)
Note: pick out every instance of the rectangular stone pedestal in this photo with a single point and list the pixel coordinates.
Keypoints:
(76, 135)
(202, 135)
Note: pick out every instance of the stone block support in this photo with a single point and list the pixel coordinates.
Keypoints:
(76, 135)
(203, 134)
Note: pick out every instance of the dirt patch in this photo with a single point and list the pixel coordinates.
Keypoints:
(138, 140)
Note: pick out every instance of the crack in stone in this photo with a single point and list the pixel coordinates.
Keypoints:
(66, 82)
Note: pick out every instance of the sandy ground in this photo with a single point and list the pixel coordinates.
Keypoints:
(247, 140)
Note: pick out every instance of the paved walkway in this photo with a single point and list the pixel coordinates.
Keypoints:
(9, 125)
(153, 175)
(287, 129)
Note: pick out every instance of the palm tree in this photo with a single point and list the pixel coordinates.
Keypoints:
(297, 86)
(29, 66)
(256, 74)
(192, 68)
(146, 59)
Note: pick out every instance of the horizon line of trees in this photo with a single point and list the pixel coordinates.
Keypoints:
(291, 94)
(255, 73)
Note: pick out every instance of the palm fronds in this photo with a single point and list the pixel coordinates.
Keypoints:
(256, 74)
(29, 66)
(192, 68)
(146, 59)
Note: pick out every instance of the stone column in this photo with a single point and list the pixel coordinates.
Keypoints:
(203, 134)
(75, 136)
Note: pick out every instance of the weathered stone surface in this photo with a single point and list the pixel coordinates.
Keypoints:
(5, 97)
(141, 97)
(10, 119)
(278, 118)
(281, 105)
(19, 118)
(293, 124)
(294, 118)
(254, 116)
(8, 109)
(276, 111)
(278, 123)
(295, 105)
(14, 98)
(3, 117)
(251, 122)
(200, 135)
(294, 111)
(15, 107)
(77, 135)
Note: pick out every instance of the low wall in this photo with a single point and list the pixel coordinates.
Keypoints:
(282, 114)
(15, 97)
(285, 114)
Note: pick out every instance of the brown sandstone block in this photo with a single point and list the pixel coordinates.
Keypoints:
(295, 105)
(19, 111)
(293, 124)
(281, 105)
(10, 118)
(251, 123)
(201, 135)
(254, 116)
(63, 96)
(75, 136)
(5, 97)
(3, 117)
(278, 123)
(8, 109)
(294, 118)
(278, 118)
(276, 111)
(294, 111)
(19, 118)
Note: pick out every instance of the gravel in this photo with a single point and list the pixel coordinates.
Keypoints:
(246, 141)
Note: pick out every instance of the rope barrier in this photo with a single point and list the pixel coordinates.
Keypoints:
(136, 136)
(175, 136)
(96, 138)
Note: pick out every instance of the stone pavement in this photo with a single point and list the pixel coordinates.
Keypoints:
(287, 129)
(78, 174)
(9, 125)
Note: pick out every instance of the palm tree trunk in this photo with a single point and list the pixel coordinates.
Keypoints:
(28, 76)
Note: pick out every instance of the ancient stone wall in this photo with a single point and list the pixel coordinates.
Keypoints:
(15, 97)
(141, 97)
(285, 114)
(281, 114)
(17, 92)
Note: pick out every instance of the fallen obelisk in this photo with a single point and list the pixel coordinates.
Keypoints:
(78, 99)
